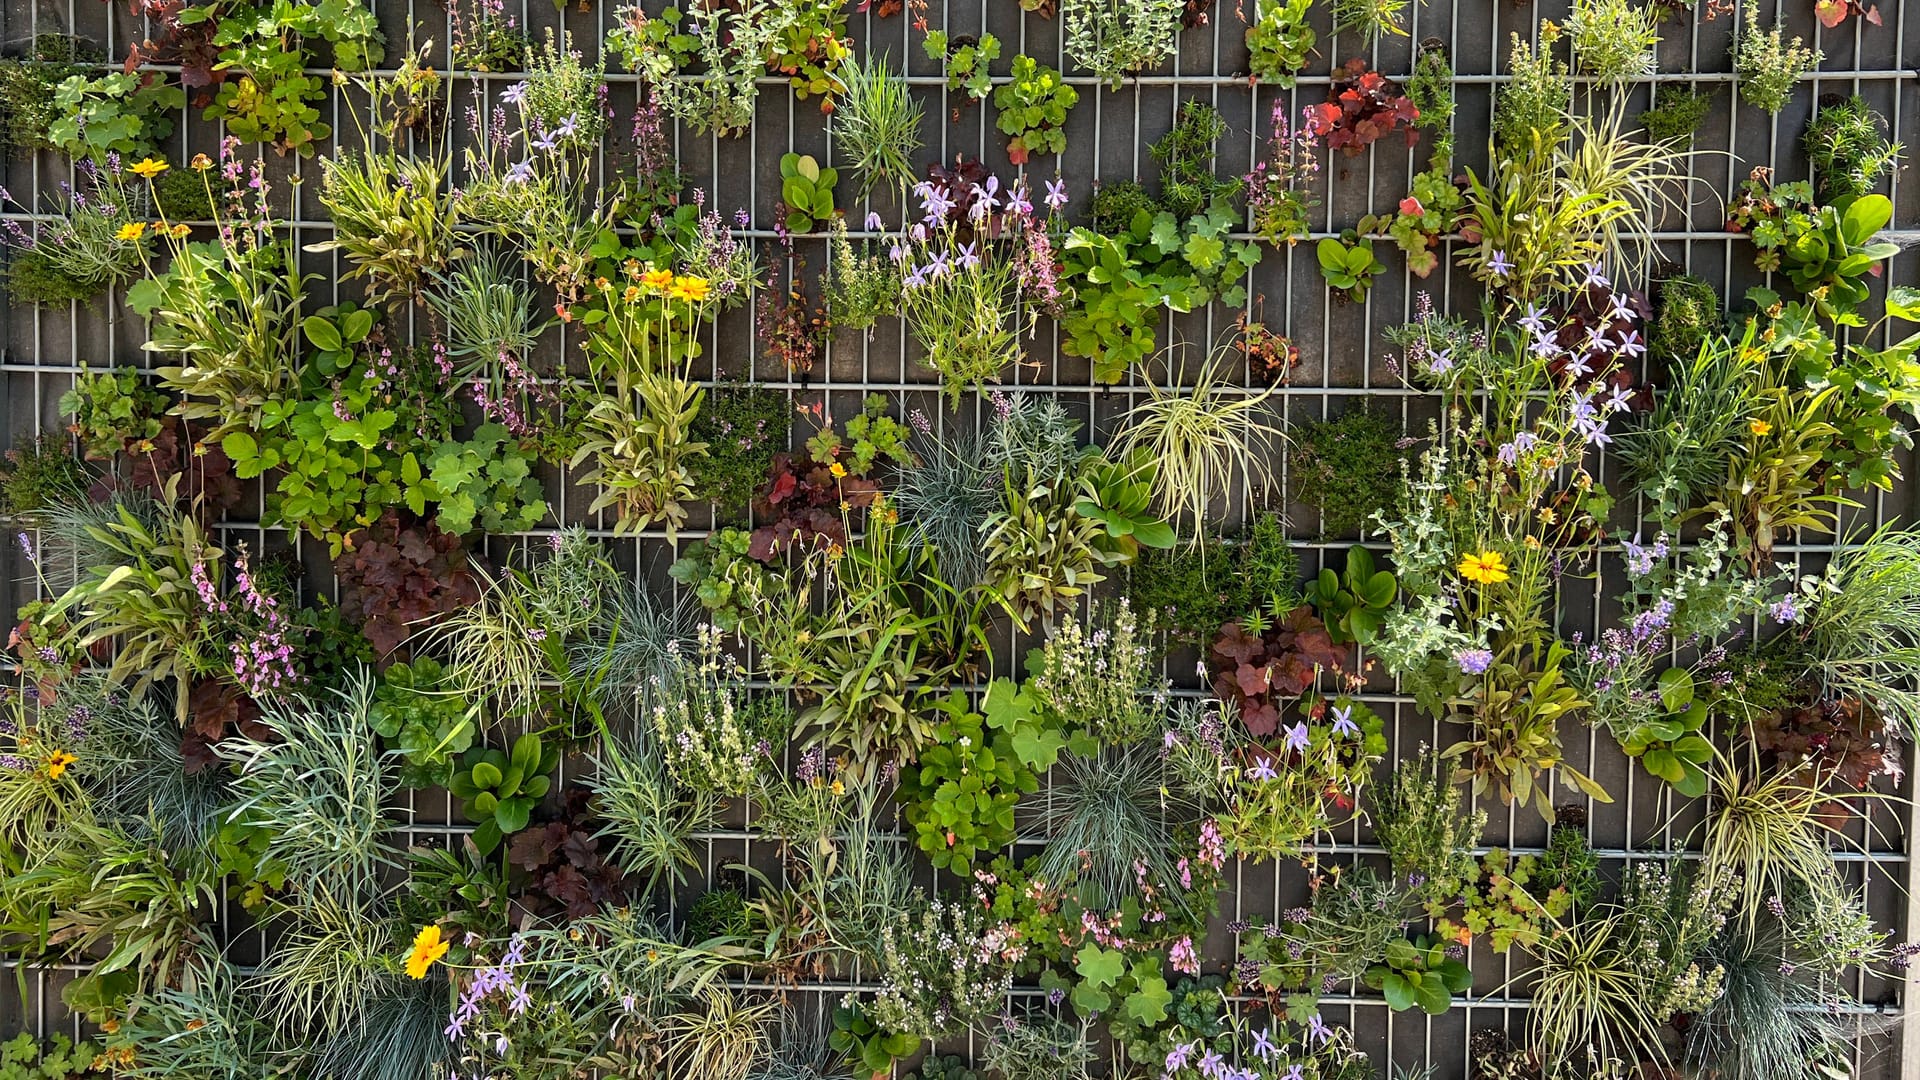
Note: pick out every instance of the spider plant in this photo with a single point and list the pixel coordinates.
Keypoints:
(1105, 815)
(876, 122)
(1650, 179)
(1770, 829)
(1534, 228)
(1208, 438)
(721, 1037)
(316, 791)
(1864, 633)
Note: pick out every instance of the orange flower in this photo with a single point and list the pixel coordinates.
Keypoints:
(427, 947)
(1760, 427)
(657, 280)
(689, 288)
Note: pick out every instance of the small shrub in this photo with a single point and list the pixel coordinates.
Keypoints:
(1848, 149)
(1676, 114)
(1768, 67)
(742, 427)
(1347, 467)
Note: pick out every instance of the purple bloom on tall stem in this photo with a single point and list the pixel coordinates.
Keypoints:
(1473, 661)
(1056, 194)
(1499, 266)
(1318, 1029)
(512, 95)
(1343, 721)
(1297, 737)
(873, 221)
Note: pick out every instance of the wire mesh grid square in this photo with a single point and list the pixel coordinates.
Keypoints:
(1343, 362)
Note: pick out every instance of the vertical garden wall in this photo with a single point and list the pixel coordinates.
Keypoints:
(806, 542)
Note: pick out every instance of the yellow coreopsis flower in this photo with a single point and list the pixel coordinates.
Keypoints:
(689, 288)
(1487, 568)
(838, 470)
(657, 280)
(1760, 427)
(58, 762)
(132, 230)
(147, 168)
(427, 947)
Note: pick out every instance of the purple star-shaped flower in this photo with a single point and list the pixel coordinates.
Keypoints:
(1057, 194)
(1297, 737)
(1261, 771)
(1499, 266)
(1263, 1044)
(1343, 721)
(1318, 1029)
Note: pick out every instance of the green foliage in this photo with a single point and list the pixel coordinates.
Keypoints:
(1193, 590)
(1125, 281)
(1033, 110)
(1347, 468)
(1428, 835)
(115, 113)
(1670, 741)
(1824, 251)
(1419, 972)
(37, 473)
(423, 718)
(1537, 101)
(24, 1057)
(269, 97)
(1119, 495)
(807, 190)
(1768, 67)
(855, 1037)
(961, 792)
(1505, 900)
(809, 44)
(34, 277)
(730, 46)
(1430, 88)
(1354, 603)
(1848, 149)
(966, 60)
(112, 409)
(1614, 40)
(1676, 113)
(28, 86)
(1686, 310)
(871, 437)
(1112, 38)
(1370, 18)
(1280, 41)
(501, 789)
(483, 482)
(860, 289)
(1348, 267)
(392, 217)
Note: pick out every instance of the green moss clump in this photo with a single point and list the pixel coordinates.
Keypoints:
(1686, 311)
(743, 428)
(1192, 590)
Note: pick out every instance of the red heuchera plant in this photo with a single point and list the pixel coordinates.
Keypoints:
(396, 574)
(560, 867)
(1366, 106)
(803, 503)
(1260, 667)
(215, 710)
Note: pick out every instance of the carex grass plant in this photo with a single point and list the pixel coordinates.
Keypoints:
(1108, 817)
(1209, 437)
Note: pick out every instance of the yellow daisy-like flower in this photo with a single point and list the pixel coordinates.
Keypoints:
(657, 280)
(691, 289)
(838, 470)
(57, 764)
(1760, 427)
(147, 168)
(132, 230)
(179, 232)
(427, 947)
(1487, 568)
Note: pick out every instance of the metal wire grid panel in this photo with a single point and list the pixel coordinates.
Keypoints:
(1343, 362)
